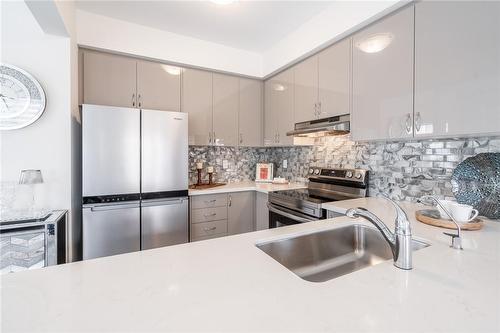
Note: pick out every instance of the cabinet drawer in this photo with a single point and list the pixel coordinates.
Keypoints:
(208, 214)
(204, 201)
(208, 229)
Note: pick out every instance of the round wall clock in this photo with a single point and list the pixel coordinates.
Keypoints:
(22, 99)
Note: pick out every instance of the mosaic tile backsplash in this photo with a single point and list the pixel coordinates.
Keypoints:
(403, 170)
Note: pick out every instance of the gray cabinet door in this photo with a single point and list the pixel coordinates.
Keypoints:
(225, 109)
(109, 79)
(158, 86)
(334, 79)
(241, 208)
(285, 106)
(261, 211)
(270, 106)
(250, 113)
(197, 102)
(306, 90)
(382, 101)
(457, 68)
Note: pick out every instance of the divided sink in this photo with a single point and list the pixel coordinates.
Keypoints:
(325, 255)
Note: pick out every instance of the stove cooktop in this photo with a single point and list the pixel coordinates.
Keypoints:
(303, 195)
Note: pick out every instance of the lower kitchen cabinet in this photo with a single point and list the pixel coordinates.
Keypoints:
(241, 209)
(217, 215)
(261, 211)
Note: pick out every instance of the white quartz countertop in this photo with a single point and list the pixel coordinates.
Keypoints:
(228, 284)
(247, 186)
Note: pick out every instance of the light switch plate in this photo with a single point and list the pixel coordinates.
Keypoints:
(225, 164)
(285, 164)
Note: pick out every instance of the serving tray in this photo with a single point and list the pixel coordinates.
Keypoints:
(432, 217)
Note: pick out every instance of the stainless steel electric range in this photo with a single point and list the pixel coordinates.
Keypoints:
(325, 185)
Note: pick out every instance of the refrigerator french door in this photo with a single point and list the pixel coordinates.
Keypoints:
(164, 178)
(110, 180)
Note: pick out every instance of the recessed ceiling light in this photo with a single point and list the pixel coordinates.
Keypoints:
(222, 2)
(172, 70)
(375, 43)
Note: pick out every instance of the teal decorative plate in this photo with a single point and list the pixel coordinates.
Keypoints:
(476, 182)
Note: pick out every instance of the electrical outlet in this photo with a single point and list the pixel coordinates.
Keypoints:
(225, 164)
(285, 164)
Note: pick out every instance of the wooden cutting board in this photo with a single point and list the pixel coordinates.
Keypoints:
(432, 217)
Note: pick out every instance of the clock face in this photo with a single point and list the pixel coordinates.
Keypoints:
(22, 100)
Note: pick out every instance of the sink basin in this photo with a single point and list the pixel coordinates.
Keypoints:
(325, 255)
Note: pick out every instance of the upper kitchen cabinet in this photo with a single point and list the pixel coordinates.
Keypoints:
(382, 67)
(279, 114)
(197, 102)
(250, 113)
(225, 109)
(109, 79)
(457, 68)
(158, 86)
(334, 79)
(306, 90)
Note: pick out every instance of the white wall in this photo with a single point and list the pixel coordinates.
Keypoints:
(334, 23)
(46, 144)
(111, 34)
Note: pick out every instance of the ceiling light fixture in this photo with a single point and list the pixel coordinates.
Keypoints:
(375, 43)
(172, 70)
(222, 2)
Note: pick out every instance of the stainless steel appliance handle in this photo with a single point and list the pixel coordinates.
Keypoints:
(288, 215)
(162, 202)
(112, 206)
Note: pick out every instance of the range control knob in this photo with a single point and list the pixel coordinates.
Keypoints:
(316, 172)
(348, 174)
(357, 175)
(311, 171)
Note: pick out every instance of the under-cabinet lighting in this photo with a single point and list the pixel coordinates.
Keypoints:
(172, 70)
(375, 43)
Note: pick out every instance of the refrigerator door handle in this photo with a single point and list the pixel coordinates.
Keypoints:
(163, 202)
(104, 207)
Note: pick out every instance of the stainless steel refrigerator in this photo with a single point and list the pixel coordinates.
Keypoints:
(134, 179)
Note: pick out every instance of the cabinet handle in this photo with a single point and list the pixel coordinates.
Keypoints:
(139, 103)
(241, 138)
(133, 100)
(319, 109)
(209, 229)
(230, 201)
(209, 137)
(210, 215)
(214, 138)
(408, 123)
(278, 138)
(210, 201)
(417, 122)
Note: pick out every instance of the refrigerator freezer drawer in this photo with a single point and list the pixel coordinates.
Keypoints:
(111, 229)
(164, 222)
(164, 151)
(110, 150)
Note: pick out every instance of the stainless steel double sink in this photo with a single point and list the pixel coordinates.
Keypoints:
(326, 255)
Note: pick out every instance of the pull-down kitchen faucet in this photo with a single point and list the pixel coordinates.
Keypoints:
(399, 241)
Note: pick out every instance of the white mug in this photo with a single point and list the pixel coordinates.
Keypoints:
(447, 205)
(462, 213)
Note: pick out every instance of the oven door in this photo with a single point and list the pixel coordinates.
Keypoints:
(281, 217)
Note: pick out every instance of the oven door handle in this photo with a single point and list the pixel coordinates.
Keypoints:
(288, 215)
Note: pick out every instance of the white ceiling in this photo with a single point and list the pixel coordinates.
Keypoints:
(249, 25)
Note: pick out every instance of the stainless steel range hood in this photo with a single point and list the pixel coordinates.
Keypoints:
(337, 125)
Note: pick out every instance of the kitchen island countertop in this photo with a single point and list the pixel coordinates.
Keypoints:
(228, 284)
